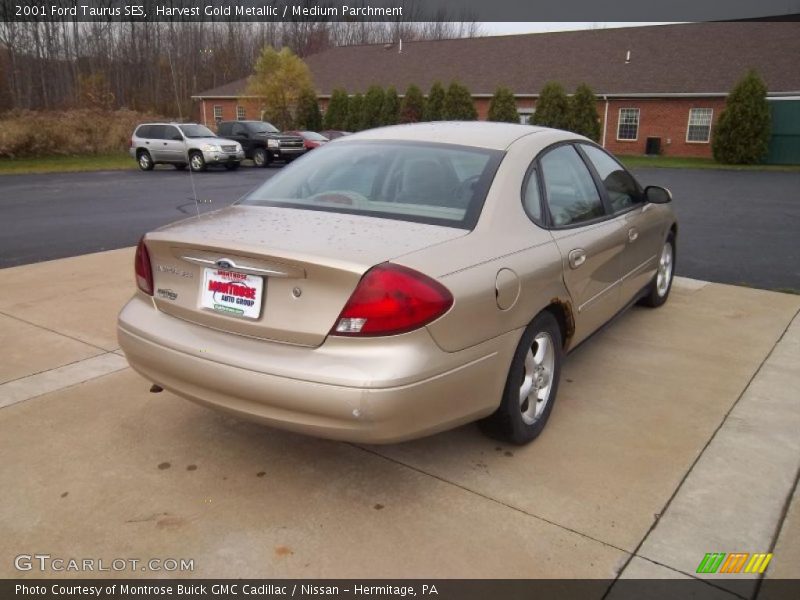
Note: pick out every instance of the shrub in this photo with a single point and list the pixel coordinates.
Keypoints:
(373, 107)
(32, 134)
(336, 115)
(355, 113)
(390, 115)
(583, 117)
(413, 106)
(552, 108)
(503, 106)
(434, 108)
(743, 130)
(308, 115)
(458, 104)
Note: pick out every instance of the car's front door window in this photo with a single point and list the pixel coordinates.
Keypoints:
(572, 197)
(622, 190)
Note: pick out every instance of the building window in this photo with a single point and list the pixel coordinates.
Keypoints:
(217, 112)
(628, 126)
(699, 129)
(241, 114)
(526, 115)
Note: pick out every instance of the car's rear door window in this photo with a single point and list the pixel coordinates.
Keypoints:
(572, 197)
(622, 190)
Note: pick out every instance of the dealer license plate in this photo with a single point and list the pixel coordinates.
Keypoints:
(232, 293)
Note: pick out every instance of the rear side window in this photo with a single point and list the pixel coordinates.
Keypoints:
(156, 132)
(531, 200)
(143, 131)
(572, 197)
(622, 189)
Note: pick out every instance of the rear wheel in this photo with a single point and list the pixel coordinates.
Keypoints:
(197, 162)
(145, 160)
(261, 157)
(662, 281)
(531, 385)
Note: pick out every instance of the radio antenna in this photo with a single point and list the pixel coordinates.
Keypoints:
(180, 116)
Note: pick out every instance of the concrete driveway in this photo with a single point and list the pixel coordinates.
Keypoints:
(675, 435)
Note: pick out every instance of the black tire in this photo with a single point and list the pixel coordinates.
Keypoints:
(232, 166)
(144, 160)
(261, 157)
(180, 166)
(196, 162)
(658, 291)
(518, 421)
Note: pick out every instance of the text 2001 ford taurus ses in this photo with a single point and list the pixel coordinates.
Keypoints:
(401, 281)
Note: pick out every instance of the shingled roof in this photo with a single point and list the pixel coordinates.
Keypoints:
(691, 58)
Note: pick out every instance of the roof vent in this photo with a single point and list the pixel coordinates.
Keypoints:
(628, 57)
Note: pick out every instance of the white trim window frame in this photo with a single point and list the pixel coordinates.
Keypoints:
(241, 113)
(630, 121)
(218, 112)
(700, 120)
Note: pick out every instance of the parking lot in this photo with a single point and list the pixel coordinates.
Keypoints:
(675, 435)
(721, 213)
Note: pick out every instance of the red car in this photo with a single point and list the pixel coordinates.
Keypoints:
(311, 139)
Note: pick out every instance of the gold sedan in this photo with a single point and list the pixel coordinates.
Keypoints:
(401, 281)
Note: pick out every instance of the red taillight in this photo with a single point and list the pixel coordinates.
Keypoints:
(132, 144)
(144, 274)
(391, 299)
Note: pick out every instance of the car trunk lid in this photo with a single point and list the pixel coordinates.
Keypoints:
(274, 273)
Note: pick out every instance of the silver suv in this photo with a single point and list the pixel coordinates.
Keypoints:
(182, 144)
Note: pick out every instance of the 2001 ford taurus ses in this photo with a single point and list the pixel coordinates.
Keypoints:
(401, 281)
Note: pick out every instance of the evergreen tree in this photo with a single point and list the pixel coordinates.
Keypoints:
(373, 107)
(583, 117)
(355, 113)
(458, 104)
(390, 115)
(308, 115)
(336, 115)
(743, 130)
(434, 108)
(552, 108)
(413, 106)
(503, 106)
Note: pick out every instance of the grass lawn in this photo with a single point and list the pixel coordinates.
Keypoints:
(64, 164)
(677, 162)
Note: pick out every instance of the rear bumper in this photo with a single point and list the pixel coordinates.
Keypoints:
(377, 390)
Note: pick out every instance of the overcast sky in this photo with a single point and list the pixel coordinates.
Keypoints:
(511, 28)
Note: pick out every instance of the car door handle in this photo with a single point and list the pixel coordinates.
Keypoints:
(576, 258)
(633, 234)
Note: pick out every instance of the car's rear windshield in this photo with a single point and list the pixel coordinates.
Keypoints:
(440, 184)
(313, 135)
(197, 131)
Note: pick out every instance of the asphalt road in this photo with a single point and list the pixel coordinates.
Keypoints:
(740, 227)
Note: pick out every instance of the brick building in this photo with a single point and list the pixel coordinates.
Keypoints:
(667, 82)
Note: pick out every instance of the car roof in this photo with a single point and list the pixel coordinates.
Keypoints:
(481, 134)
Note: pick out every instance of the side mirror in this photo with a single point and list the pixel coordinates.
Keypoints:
(657, 194)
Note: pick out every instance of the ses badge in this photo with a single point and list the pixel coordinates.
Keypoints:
(232, 293)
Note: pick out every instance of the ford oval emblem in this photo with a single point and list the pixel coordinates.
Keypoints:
(224, 264)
